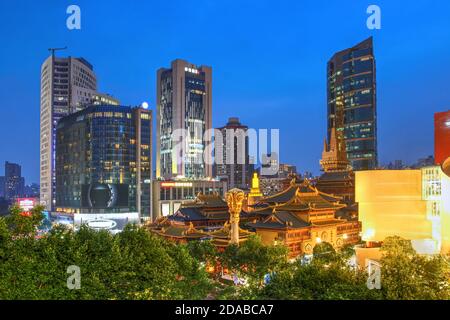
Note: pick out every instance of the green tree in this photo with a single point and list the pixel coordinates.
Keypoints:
(22, 225)
(409, 276)
(328, 277)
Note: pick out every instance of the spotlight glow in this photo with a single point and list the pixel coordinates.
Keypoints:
(144, 105)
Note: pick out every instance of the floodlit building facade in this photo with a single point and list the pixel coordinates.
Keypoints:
(184, 103)
(104, 161)
(412, 204)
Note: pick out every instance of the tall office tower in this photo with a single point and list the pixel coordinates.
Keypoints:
(184, 99)
(103, 161)
(14, 182)
(351, 88)
(67, 85)
(441, 136)
(232, 155)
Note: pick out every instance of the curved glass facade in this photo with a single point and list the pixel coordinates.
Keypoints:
(103, 161)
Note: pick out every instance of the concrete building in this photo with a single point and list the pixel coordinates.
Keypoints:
(232, 157)
(184, 103)
(67, 85)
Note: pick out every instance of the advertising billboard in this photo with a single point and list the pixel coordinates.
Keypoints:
(26, 204)
(112, 222)
(104, 196)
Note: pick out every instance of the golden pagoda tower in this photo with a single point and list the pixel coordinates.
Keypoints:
(255, 193)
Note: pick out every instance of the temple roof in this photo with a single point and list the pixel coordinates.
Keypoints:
(179, 231)
(284, 196)
(210, 200)
(300, 197)
(336, 176)
(281, 220)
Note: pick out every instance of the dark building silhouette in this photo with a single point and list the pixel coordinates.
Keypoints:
(351, 97)
(14, 182)
(232, 155)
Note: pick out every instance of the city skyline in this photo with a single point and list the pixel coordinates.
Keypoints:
(242, 88)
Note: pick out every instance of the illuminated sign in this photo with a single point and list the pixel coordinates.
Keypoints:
(176, 184)
(26, 204)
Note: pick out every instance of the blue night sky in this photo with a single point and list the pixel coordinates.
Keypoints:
(268, 57)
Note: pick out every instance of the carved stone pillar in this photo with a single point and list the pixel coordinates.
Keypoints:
(235, 199)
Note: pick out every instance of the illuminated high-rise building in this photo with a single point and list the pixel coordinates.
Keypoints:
(67, 85)
(104, 161)
(441, 136)
(352, 103)
(184, 103)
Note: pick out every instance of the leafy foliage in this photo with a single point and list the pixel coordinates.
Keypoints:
(409, 276)
(136, 264)
(131, 265)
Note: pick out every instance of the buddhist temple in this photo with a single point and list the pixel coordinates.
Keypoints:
(301, 217)
(208, 217)
(177, 232)
(209, 212)
(338, 177)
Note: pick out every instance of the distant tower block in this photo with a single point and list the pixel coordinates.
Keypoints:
(235, 199)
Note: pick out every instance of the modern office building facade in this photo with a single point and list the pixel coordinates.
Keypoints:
(184, 104)
(67, 85)
(441, 136)
(352, 103)
(232, 159)
(14, 182)
(103, 161)
(168, 196)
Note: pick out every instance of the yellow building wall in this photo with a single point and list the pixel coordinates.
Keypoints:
(445, 215)
(267, 237)
(391, 204)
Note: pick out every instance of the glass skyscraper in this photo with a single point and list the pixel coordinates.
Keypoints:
(184, 99)
(352, 103)
(103, 161)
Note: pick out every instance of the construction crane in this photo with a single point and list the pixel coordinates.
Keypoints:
(52, 50)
